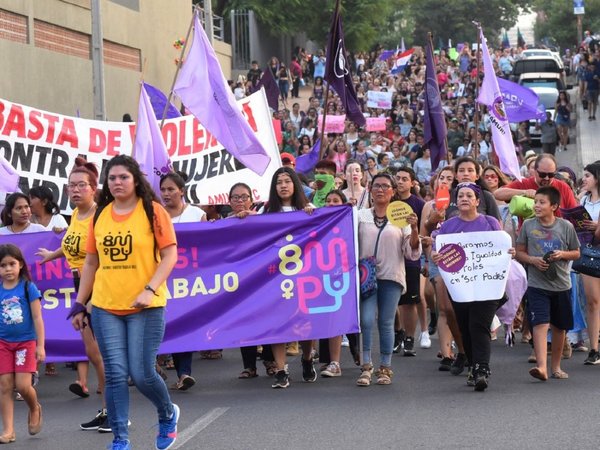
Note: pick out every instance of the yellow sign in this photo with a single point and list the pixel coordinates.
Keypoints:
(397, 213)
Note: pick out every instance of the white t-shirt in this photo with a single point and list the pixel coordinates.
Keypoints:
(57, 221)
(32, 228)
(191, 213)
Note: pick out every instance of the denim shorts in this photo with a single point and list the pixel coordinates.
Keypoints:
(553, 307)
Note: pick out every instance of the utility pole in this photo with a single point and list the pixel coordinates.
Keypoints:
(98, 63)
(208, 21)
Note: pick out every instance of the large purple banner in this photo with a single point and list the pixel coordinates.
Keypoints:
(264, 279)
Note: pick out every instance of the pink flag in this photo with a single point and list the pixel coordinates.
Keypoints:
(203, 89)
(149, 148)
(491, 96)
(9, 177)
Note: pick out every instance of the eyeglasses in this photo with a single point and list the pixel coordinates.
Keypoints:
(237, 198)
(546, 174)
(381, 187)
(81, 185)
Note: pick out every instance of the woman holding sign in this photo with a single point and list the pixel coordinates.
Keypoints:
(389, 244)
(474, 317)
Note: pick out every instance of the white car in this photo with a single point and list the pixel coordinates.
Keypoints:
(543, 52)
(547, 97)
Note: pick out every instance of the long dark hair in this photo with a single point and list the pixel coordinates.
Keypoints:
(143, 189)
(11, 200)
(594, 169)
(299, 200)
(45, 193)
(14, 252)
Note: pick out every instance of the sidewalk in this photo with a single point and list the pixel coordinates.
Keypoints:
(588, 150)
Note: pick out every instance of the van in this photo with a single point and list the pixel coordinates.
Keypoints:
(543, 79)
(536, 64)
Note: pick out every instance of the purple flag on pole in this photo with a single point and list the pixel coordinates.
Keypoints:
(490, 96)
(202, 88)
(435, 130)
(521, 103)
(158, 101)
(9, 177)
(306, 163)
(271, 89)
(149, 148)
(337, 74)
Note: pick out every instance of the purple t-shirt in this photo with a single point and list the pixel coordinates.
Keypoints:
(458, 225)
(417, 205)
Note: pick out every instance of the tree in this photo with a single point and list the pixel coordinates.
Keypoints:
(364, 20)
(557, 21)
(453, 18)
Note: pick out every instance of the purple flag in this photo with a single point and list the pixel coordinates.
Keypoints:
(9, 177)
(434, 120)
(337, 74)
(202, 88)
(234, 283)
(306, 163)
(271, 89)
(158, 101)
(149, 148)
(521, 103)
(490, 96)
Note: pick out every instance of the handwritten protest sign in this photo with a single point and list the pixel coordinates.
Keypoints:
(376, 124)
(379, 99)
(484, 273)
(42, 147)
(397, 212)
(334, 124)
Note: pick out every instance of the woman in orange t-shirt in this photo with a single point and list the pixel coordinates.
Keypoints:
(131, 250)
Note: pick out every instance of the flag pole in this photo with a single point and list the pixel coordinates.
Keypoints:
(336, 14)
(138, 102)
(430, 39)
(179, 63)
(476, 115)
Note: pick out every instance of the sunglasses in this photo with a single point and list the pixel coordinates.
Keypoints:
(546, 174)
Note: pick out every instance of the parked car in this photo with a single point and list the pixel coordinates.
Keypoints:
(547, 98)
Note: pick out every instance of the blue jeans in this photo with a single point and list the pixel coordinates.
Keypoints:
(129, 345)
(383, 304)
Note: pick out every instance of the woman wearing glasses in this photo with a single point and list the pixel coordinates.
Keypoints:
(240, 200)
(390, 245)
(83, 182)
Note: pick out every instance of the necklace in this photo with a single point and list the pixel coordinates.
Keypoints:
(12, 228)
(380, 222)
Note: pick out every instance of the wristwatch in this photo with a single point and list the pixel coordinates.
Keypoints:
(148, 288)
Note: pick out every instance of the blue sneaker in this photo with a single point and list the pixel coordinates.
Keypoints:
(118, 444)
(167, 431)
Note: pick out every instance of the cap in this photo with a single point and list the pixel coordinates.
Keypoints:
(530, 153)
(454, 119)
(287, 158)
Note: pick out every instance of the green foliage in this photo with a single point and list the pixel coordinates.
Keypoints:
(560, 24)
(453, 18)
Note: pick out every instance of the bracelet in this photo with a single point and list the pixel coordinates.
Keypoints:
(149, 288)
(77, 308)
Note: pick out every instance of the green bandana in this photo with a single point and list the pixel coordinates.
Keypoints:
(327, 183)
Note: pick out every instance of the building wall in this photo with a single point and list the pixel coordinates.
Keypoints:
(46, 50)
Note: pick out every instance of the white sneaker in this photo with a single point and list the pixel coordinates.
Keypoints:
(424, 341)
(345, 341)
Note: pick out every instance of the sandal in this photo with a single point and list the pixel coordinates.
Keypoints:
(535, 372)
(211, 354)
(79, 390)
(169, 364)
(271, 368)
(560, 375)
(247, 373)
(365, 376)
(35, 428)
(384, 375)
(51, 370)
(7, 438)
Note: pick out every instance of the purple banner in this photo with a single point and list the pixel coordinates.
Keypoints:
(264, 279)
